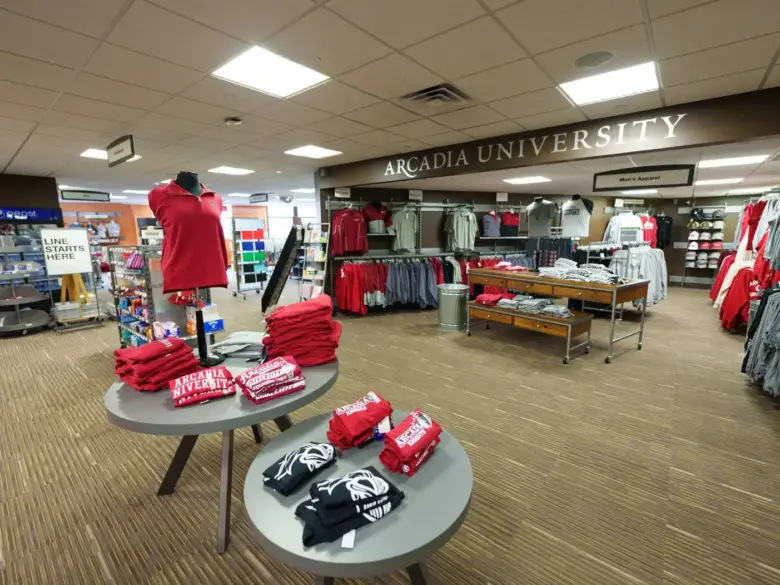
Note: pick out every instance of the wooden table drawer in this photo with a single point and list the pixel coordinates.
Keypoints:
(530, 287)
(476, 279)
(540, 326)
(583, 295)
(489, 316)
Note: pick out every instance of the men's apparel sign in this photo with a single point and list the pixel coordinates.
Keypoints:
(78, 195)
(120, 150)
(644, 178)
(66, 251)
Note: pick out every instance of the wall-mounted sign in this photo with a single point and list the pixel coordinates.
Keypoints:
(66, 251)
(343, 192)
(502, 197)
(644, 178)
(78, 195)
(415, 194)
(258, 198)
(37, 215)
(120, 150)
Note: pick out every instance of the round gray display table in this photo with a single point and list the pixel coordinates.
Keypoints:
(153, 413)
(436, 504)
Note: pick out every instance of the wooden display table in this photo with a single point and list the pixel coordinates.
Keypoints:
(607, 294)
(568, 328)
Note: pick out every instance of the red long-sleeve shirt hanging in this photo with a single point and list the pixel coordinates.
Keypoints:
(348, 233)
(736, 306)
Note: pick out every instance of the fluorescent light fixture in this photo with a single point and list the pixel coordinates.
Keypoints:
(163, 182)
(748, 190)
(526, 180)
(231, 171)
(733, 162)
(66, 187)
(136, 191)
(311, 151)
(244, 195)
(719, 181)
(640, 192)
(103, 155)
(612, 85)
(269, 73)
(118, 196)
(301, 190)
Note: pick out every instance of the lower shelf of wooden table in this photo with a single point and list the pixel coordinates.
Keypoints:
(546, 324)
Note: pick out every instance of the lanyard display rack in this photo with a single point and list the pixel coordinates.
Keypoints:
(249, 255)
(315, 260)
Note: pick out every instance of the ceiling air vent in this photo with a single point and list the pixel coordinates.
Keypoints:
(436, 99)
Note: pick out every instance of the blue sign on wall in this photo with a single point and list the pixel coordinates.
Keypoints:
(34, 215)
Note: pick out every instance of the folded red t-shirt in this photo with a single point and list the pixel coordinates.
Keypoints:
(391, 461)
(412, 435)
(337, 437)
(320, 304)
(203, 381)
(267, 382)
(172, 363)
(204, 395)
(141, 369)
(353, 421)
(149, 351)
(268, 370)
(277, 392)
(160, 380)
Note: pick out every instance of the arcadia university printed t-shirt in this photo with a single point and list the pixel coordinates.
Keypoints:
(193, 249)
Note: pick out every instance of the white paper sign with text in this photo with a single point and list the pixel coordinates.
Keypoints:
(66, 251)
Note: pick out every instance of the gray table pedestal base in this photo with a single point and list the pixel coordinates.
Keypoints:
(418, 575)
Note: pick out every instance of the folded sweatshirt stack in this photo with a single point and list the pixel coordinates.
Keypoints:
(297, 467)
(352, 425)
(273, 379)
(202, 386)
(346, 503)
(410, 443)
(305, 331)
(151, 366)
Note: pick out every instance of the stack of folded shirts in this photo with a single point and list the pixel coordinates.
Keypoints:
(151, 366)
(305, 331)
(560, 311)
(273, 379)
(533, 306)
(491, 299)
(298, 467)
(202, 386)
(565, 263)
(343, 504)
(512, 303)
(410, 443)
(353, 424)
(552, 272)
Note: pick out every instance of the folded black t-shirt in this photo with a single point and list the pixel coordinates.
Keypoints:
(297, 467)
(357, 485)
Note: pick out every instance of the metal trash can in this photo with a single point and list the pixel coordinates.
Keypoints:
(452, 306)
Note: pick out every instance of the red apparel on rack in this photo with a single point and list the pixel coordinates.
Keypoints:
(381, 213)
(410, 443)
(721, 276)
(348, 232)
(649, 230)
(353, 424)
(349, 288)
(756, 210)
(735, 309)
(508, 218)
(438, 270)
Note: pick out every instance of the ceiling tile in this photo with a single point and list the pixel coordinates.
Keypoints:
(712, 88)
(734, 58)
(16, 125)
(86, 107)
(12, 138)
(774, 78)
(291, 113)
(151, 30)
(261, 126)
(161, 134)
(629, 47)
(391, 22)
(346, 145)
(715, 24)
(382, 115)
(198, 111)
(391, 77)
(74, 133)
(304, 136)
(446, 138)
(627, 105)
(567, 115)
(86, 122)
(418, 129)
(378, 138)
(249, 20)
(335, 97)
(246, 152)
(128, 66)
(27, 95)
(520, 106)
(470, 48)
(660, 8)
(326, 43)
(37, 40)
(228, 95)
(36, 73)
(409, 145)
(89, 17)
(117, 92)
(160, 121)
(469, 117)
(541, 25)
(340, 127)
(490, 130)
(507, 80)
(21, 112)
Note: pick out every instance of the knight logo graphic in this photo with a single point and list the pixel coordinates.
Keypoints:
(358, 405)
(312, 455)
(360, 484)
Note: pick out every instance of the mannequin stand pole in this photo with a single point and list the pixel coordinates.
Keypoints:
(206, 360)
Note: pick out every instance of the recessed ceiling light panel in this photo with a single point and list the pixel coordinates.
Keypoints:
(269, 73)
(640, 192)
(612, 85)
(311, 151)
(231, 171)
(719, 181)
(527, 180)
(136, 191)
(118, 197)
(242, 195)
(749, 190)
(733, 162)
(301, 190)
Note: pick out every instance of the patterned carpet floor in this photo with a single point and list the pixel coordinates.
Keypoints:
(660, 468)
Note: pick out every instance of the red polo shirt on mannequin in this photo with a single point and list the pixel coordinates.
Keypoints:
(193, 249)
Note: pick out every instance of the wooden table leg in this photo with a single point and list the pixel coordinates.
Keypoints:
(225, 492)
(324, 581)
(178, 463)
(418, 574)
(283, 422)
(257, 431)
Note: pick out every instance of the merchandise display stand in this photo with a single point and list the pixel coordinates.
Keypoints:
(608, 294)
(153, 413)
(76, 310)
(436, 504)
(284, 265)
(710, 272)
(315, 260)
(249, 255)
(15, 294)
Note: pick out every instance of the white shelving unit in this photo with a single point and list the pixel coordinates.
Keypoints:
(315, 260)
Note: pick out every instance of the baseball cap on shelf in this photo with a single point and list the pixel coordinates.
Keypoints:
(693, 236)
(690, 264)
(693, 246)
(717, 245)
(718, 225)
(717, 235)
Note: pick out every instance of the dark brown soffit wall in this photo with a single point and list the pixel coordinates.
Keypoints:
(730, 119)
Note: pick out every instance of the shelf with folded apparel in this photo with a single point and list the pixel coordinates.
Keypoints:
(611, 295)
(316, 242)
